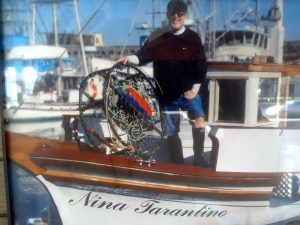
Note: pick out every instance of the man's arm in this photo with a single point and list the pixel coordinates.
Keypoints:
(201, 65)
(133, 59)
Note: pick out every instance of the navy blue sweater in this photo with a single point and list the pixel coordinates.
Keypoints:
(178, 61)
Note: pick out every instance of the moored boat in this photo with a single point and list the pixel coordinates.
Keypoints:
(253, 176)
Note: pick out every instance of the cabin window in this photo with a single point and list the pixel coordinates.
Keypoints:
(230, 38)
(241, 98)
(249, 37)
(267, 100)
(256, 39)
(266, 43)
(231, 100)
(292, 90)
(71, 83)
(27, 63)
(238, 37)
(261, 43)
(268, 88)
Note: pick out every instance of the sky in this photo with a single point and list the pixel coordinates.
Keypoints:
(117, 19)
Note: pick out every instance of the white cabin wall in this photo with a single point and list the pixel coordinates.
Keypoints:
(258, 150)
(249, 150)
(290, 151)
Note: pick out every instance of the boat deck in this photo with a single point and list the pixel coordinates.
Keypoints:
(64, 161)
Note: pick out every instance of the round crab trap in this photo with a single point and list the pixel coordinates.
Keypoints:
(128, 101)
(91, 110)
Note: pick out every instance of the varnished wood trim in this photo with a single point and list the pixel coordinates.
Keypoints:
(160, 188)
(140, 173)
(126, 162)
(21, 146)
(123, 161)
(285, 69)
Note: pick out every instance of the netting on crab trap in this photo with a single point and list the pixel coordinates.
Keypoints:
(132, 110)
(125, 99)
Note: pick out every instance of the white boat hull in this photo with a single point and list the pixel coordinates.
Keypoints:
(37, 112)
(88, 205)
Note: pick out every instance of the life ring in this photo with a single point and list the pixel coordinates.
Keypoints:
(94, 89)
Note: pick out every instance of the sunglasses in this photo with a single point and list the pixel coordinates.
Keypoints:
(178, 14)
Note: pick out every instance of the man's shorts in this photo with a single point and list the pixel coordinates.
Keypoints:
(171, 112)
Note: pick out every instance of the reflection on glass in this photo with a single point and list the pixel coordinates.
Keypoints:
(267, 98)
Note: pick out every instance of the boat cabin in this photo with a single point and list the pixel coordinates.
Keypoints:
(243, 37)
(241, 45)
(39, 70)
(240, 98)
(246, 137)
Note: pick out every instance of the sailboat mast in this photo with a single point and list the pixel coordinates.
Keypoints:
(32, 36)
(213, 29)
(153, 14)
(80, 38)
(210, 35)
(257, 14)
(55, 22)
(280, 32)
(56, 43)
(277, 33)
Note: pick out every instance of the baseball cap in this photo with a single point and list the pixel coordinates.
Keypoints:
(175, 6)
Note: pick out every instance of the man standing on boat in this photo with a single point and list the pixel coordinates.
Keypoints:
(180, 67)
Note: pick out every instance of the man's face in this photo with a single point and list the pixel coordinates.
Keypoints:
(177, 20)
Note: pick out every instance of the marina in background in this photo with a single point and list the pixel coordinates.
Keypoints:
(79, 53)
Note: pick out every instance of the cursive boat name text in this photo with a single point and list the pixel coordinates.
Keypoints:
(95, 201)
(151, 207)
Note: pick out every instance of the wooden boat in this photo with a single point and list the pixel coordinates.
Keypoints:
(253, 176)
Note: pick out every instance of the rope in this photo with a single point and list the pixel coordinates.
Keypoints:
(86, 24)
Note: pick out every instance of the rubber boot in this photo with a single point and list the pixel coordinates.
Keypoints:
(198, 147)
(175, 149)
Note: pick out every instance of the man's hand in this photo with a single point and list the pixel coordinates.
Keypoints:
(123, 60)
(189, 94)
